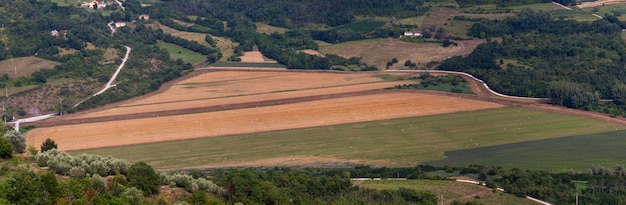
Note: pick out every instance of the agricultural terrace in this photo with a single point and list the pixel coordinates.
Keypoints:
(226, 87)
(393, 142)
(25, 66)
(380, 51)
(450, 190)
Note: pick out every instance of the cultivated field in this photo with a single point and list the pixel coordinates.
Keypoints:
(255, 57)
(227, 87)
(450, 190)
(252, 120)
(380, 51)
(600, 3)
(177, 52)
(394, 142)
(267, 29)
(25, 66)
(559, 154)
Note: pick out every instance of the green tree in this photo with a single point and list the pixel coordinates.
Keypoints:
(48, 145)
(17, 140)
(143, 176)
(6, 150)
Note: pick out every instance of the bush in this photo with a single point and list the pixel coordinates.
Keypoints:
(48, 145)
(134, 195)
(61, 162)
(17, 140)
(144, 177)
(6, 150)
(188, 183)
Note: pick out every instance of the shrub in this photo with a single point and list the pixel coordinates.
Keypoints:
(188, 183)
(48, 145)
(144, 177)
(17, 140)
(6, 150)
(62, 162)
(134, 195)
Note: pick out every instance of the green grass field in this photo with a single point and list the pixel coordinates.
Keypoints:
(24, 66)
(450, 190)
(397, 142)
(559, 154)
(177, 52)
(268, 29)
(364, 26)
(578, 15)
(460, 27)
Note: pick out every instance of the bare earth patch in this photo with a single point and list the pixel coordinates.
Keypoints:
(254, 57)
(600, 3)
(313, 52)
(380, 51)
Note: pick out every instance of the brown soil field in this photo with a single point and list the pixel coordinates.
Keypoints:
(367, 107)
(380, 51)
(313, 52)
(227, 87)
(600, 3)
(255, 57)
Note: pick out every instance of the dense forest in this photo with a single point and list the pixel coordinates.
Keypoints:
(281, 13)
(502, 3)
(574, 63)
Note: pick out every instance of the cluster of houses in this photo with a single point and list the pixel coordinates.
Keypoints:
(142, 17)
(119, 24)
(95, 4)
(412, 34)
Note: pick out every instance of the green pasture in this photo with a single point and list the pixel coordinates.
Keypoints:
(395, 142)
(177, 52)
(579, 152)
(364, 26)
(447, 87)
(578, 15)
(460, 27)
(450, 190)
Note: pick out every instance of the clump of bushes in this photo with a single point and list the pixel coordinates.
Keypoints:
(81, 165)
(188, 183)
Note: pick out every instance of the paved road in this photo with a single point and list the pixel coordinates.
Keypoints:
(475, 79)
(31, 119)
(121, 6)
(561, 5)
(110, 83)
(111, 27)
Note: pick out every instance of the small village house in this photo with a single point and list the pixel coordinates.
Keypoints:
(144, 17)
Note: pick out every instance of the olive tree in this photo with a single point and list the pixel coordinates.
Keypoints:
(17, 140)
